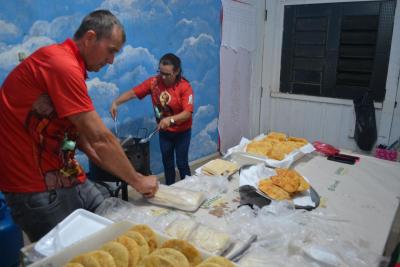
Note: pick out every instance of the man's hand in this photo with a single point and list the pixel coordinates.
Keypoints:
(146, 185)
(113, 110)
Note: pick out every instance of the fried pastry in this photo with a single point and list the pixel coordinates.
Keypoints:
(208, 264)
(277, 136)
(220, 261)
(294, 145)
(276, 154)
(97, 258)
(258, 147)
(273, 191)
(119, 253)
(148, 234)
(190, 252)
(299, 140)
(174, 255)
(74, 264)
(103, 258)
(86, 260)
(132, 247)
(158, 261)
(287, 180)
(304, 185)
(141, 241)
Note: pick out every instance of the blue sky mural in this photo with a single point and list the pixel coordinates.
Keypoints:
(190, 29)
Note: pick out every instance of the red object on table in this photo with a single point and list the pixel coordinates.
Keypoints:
(326, 149)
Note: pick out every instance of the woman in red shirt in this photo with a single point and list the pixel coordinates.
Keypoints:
(172, 98)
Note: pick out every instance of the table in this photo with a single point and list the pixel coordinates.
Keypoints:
(366, 195)
(363, 199)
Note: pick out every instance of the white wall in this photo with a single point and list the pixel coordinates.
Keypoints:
(241, 62)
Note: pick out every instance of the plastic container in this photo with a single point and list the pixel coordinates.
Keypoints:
(10, 237)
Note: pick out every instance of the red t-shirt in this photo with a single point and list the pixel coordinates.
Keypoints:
(168, 101)
(35, 100)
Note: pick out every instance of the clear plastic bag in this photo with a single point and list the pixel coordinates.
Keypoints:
(181, 228)
(177, 197)
(210, 186)
(114, 209)
(209, 239)
(289, 237)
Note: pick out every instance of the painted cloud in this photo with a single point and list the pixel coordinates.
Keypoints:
(153, 27)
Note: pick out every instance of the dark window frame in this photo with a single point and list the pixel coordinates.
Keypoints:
(328, 49)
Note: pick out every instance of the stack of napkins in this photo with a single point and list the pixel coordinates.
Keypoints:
(219, 167)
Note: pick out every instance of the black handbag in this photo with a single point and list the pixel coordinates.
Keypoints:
(365, 132)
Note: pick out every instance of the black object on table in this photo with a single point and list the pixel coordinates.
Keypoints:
(138, 155)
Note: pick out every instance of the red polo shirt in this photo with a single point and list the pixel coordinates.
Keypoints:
(168, 101)
(35, 100)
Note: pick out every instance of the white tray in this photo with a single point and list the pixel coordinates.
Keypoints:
(78, 225)
(239, 155)
(94, 242)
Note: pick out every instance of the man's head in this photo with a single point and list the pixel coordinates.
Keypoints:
(99, 37)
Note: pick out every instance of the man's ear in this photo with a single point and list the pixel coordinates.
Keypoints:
(90, 37)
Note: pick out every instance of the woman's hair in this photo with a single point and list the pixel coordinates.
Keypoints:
(175, 61)
(101, 22)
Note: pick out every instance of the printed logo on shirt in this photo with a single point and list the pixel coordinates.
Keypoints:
(190, 101)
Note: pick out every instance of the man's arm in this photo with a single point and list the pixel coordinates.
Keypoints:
(104, 149)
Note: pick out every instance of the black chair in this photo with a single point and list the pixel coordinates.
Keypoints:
(138, 155)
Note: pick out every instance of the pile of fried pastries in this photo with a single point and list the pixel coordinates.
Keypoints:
(285, 185)
(275, 145)
(139, 247)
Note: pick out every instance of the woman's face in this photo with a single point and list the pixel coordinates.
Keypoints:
(167, 74)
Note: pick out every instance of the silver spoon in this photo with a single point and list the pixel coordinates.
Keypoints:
(147, 139)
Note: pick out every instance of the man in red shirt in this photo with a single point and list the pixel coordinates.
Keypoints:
(45, 114)
(172, 98)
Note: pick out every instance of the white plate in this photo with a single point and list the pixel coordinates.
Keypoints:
(78, 225)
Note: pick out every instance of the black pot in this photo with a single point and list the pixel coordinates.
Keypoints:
(138, 155)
